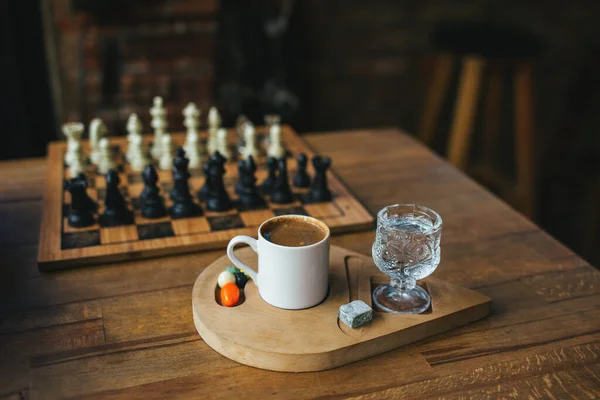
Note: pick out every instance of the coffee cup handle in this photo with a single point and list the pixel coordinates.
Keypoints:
(250, 241)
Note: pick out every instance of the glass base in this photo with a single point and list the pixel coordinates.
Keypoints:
(393, 300)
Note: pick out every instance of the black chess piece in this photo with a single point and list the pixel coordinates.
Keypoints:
(152, 203)
(268, 183)
(203, 192)
(217, 198)
(80, 214)
(250, 197)
(281, 192)
(302, 179)
(319, 192)
(115, 208)
(90, 203)
(183, 203)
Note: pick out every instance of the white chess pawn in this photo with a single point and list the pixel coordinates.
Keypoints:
(193, 147)
(194, 153)
(159, 124)
(134, 129)
(250, 148)
(97, 130)
(106, 161)
(275, 147)
(77, 160)
(137, 157)
(73, 131)
(214, 123)
(165, 161)
(223, 143)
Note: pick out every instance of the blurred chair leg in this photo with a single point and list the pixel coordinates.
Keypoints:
(525, 140)
(434, 99)
(493, 106)
(465, 111)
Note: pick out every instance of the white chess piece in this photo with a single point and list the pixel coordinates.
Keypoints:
(214, 123)
(250, 148)
(77, 160)
(73, 131)
(166, 158)
(223, 143)
(97, 130)
(275, 147)
(159, 124)
(137, 157)
(106, 161)
(193, 147)
(134, 129)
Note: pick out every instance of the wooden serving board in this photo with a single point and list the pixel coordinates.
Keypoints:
(260, 335)
(62, 246)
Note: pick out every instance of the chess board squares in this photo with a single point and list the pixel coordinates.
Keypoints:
(225, 222)
(69, 229)
(76, 240)
(119, 234)
(135, 189)
(324, 210)
(155, 230)
(255, 218)
(196, 172)
(188, 226)
(134, 178)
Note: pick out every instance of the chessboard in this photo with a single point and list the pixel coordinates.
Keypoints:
(63, 246)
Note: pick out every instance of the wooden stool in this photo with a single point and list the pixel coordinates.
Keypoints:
(477, 48)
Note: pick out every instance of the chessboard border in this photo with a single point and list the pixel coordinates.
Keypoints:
(52, 257)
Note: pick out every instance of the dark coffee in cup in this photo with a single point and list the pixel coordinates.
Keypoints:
(293, 231)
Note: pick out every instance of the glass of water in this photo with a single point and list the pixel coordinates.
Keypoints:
(406, 248)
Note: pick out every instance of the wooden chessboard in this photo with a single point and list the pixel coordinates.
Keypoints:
(62, 246)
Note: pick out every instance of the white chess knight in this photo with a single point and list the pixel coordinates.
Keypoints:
(223, 143)
(77, 161)
(134, 129)
(137, 157)
(165, 161)
(105, 161)
(214, 123)
(97, 130)
(250, 148)
(159, 124)
(275, 147)
(73, 131)
(193, 147)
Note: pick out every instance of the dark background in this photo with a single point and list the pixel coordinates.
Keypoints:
(322, 65)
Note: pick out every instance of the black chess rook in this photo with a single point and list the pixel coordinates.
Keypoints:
(319, 192)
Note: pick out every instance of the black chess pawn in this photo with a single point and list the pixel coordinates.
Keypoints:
(90, 203)
(319, 192)
(217, 198)
(152, 203)
(80, 214)
(183, 203)
(115, 208)
(268, 183)
(250, 197)
(302, 179)
(281, 192)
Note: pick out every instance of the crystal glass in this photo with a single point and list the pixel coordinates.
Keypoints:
(406, 248)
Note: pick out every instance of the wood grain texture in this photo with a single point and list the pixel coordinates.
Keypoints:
(64, 246)
(543, 322)
(314, 339)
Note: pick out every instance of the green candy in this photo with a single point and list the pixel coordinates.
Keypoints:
(233, 270)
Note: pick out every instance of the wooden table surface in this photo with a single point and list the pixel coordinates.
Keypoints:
(125, 330)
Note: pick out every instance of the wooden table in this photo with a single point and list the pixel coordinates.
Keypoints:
(125, 331)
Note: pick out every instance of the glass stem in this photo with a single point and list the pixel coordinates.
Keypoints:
(403, 283)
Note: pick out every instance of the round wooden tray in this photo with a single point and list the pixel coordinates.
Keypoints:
(258, 334)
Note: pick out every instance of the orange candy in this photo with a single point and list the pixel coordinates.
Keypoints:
(230, 294)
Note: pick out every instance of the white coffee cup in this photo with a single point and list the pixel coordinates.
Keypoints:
(288, 277)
